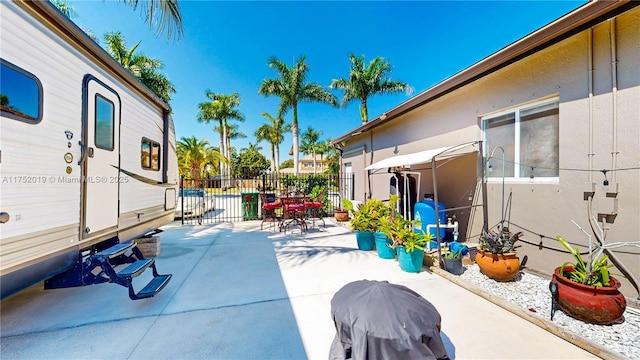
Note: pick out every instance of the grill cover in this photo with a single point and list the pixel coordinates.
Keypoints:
(379, 320)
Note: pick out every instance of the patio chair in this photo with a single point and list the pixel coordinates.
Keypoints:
(269, 208)
(314, 207)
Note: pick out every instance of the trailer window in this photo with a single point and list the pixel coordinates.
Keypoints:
(150, 154)
(104, 123)
(20, 95)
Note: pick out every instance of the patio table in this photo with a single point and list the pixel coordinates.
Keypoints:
(293, 212)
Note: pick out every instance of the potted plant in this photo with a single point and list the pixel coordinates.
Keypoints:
(496, 256)
(342, 214)
(586, 290)
(379, 212)
(365, 221)
(409, 243)
(453, 260)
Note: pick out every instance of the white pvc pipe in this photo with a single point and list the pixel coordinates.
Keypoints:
(614, 93)
(590, 56)
(453, 226)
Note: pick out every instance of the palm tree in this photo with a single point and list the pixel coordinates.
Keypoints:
(163, 14)
(310, 143)
(194, 154)
(65, 7)
(322, 148)
(252, 147)
(333, 159)
(366, 81)
(291, 87)
(264, 132)
(146, 69)
(273, 132)
(232, 134)
(221, 107)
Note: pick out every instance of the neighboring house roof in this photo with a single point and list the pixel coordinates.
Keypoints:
(578, 20)
(300, 171)
(310, 158)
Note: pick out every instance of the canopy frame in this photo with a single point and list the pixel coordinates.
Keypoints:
(432, 156)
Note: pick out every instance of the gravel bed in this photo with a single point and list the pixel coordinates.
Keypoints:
(532, 293)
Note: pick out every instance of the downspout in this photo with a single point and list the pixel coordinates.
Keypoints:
(364, 163)
(340, 165)
(590, 58)
(614, 93)
(370, 162)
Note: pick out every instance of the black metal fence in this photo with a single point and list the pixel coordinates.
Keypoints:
(219, 199)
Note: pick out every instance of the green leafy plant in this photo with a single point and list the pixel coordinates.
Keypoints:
(499, 243)
(347, 204)
(417, 240)
(451, 255)
(401, 232)
(593, 273)
(369, 215)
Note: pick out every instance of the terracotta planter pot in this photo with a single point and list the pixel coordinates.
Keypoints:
(499, 267)
(341, 215)
(596, 305)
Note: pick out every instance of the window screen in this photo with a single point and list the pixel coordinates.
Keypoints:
(104, 123)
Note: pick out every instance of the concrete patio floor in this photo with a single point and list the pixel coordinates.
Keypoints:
(241, 293)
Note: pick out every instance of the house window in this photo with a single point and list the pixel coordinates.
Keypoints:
(150, 154)
(20, 95)
(530, 139)
(104, 123)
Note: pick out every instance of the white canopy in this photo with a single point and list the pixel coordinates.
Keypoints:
(422, 157)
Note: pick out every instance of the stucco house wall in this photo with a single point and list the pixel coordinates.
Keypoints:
(538, 206)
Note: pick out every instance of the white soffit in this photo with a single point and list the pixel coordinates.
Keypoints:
(422, 157)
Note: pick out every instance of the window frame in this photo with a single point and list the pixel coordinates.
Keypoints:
(95, 121)
(28, 120)
(517, 178)
(152, 144)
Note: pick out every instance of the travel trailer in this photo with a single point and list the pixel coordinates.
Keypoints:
(87, 158)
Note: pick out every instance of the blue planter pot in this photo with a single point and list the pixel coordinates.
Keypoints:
(365, 240)
(410, 262)
(382, 242)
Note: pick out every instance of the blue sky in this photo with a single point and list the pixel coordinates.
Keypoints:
(226, 47)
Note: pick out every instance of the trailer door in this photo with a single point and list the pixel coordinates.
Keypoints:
(101, 159)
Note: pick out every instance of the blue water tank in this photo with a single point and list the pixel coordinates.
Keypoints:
(425, 212)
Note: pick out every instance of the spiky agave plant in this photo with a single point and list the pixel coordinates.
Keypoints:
(499, 243)
(593, 273)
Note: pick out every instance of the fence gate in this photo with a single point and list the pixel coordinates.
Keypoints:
(216, 200)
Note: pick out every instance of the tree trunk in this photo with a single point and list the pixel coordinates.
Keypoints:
(273, 158)
(364, 114)
(313, 153)
(228, 149)
(222, 164)
(294, 133)
(225, 137)
(277, 158)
